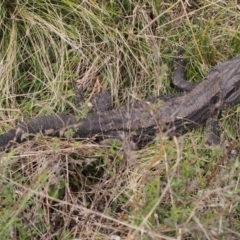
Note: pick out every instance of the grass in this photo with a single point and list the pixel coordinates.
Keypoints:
(170, 189)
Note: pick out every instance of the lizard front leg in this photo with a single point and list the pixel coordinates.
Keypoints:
(179, 72)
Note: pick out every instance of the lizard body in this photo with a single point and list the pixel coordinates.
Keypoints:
(174, 114)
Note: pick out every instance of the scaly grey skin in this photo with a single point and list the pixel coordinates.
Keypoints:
(174, 114)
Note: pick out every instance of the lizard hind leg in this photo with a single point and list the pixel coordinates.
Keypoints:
(101, 102)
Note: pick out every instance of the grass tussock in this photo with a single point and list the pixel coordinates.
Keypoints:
(171, 189)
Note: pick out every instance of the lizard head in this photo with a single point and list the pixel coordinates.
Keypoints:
(229, 72)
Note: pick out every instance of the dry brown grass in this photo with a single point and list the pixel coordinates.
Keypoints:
(88, 191)
(58, 189)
